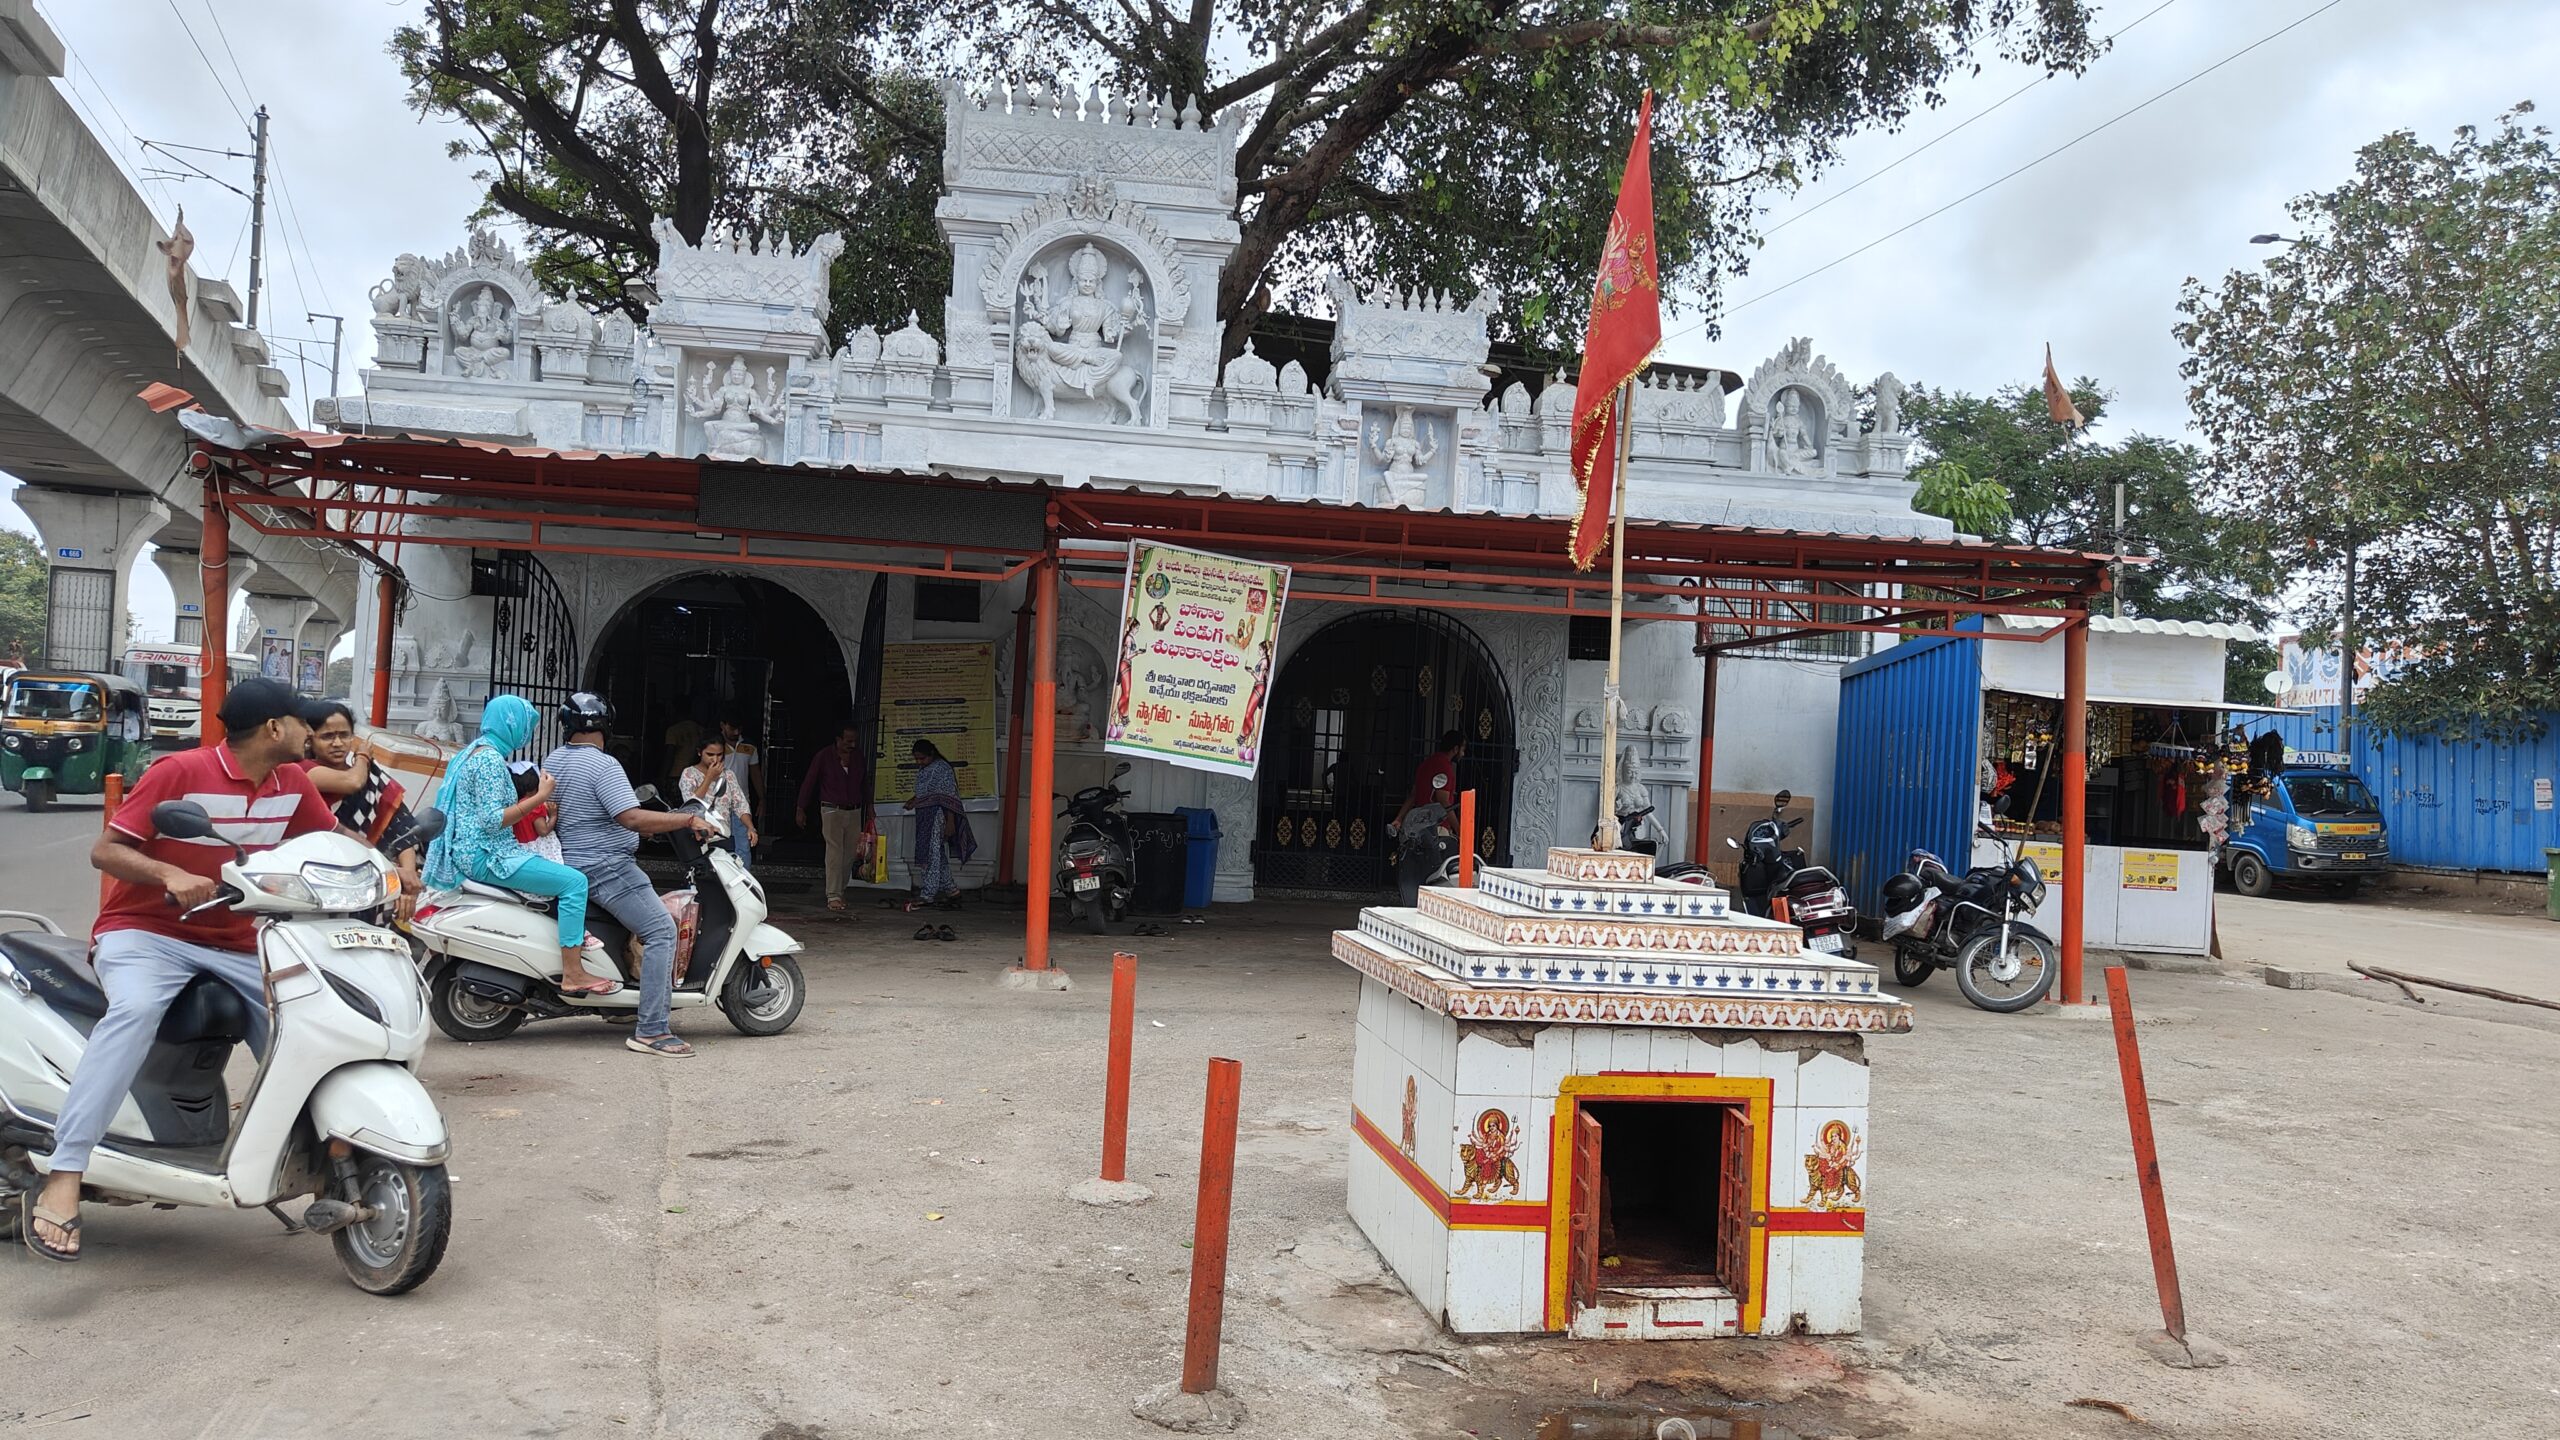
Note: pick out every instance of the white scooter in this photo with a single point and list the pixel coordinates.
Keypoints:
(336, 1110)
(493, 954)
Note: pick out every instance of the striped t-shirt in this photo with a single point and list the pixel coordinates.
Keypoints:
(254, 817)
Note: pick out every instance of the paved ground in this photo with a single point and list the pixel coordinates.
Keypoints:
(747, 1244)
(2518, 953)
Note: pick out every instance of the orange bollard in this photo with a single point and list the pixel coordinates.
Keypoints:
(114, 797)
(1209, 1229)
(1115, 1083)
(2146, 1159)
(1466, 839)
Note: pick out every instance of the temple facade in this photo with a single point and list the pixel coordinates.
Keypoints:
(1079, 347)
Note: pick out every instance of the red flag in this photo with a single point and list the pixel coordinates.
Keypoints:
(2057, 398)
(1626, 326)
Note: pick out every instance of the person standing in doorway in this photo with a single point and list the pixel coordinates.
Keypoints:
(942, 834)
(745, 762)
(839, 781)
(1441, 765)
(710, 781)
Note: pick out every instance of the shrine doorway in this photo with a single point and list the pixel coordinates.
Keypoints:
(1360, 705)
(709, 645)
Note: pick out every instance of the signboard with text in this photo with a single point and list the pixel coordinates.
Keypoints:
(945, 694)
(1198, 633)
(2150, 869)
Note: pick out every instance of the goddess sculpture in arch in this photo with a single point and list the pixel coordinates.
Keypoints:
(733, 415)
(1404, 456)
(483, 352)
(1075, 344)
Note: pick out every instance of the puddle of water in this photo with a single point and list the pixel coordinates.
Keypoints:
(1685, 1422)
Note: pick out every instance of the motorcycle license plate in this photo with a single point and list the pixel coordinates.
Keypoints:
(356, 939)
(1828, 944)
(2352, 855)
(1088, 882)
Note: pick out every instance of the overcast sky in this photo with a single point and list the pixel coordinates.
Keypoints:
(2086, 250)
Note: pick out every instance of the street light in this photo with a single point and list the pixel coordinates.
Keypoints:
(2347, 616)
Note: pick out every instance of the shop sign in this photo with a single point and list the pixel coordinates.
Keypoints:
(1197, 637)
(2046, 853)
(2150, 869)
(945, 693)
(2541, 792)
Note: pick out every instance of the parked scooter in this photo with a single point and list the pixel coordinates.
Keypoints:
(1975, 925)
(1773, 873)
(1427, 845)
(1640, 832)
(1097, 857)
(493, 954)
(336, 1110)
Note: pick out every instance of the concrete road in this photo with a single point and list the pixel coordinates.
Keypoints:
(44, 860)
(858, 1229)
(2518, 953)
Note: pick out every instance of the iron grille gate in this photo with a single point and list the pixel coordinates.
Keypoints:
(1358, 708)
(533, 645)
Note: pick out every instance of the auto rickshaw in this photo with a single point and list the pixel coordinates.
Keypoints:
(62, 731)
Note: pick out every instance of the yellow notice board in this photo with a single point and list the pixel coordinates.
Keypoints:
(2150, 869)
(1194, 670)
(946, 694)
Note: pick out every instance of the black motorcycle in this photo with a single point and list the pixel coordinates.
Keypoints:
(1974, 924)
(1813, 898)
(1097, 858)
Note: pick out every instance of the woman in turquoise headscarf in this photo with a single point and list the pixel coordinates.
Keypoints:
(479, 841)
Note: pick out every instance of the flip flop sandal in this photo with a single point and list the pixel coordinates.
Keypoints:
(837, 905)
(594, 990)
(69, 1224)
(924, 932)
(945, 932)
(1149, 929)
(667, 1046)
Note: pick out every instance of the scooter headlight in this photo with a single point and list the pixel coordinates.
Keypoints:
(285, 887)
(343, 887)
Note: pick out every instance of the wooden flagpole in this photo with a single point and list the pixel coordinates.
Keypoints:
(1607, 837)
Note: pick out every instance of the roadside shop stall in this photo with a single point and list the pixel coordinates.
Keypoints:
(1927, 728)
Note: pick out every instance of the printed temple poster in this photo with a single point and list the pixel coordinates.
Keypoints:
(1197, 636)
(945, 694)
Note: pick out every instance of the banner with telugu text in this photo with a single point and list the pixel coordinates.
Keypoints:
(945, 693)
(1193, 671)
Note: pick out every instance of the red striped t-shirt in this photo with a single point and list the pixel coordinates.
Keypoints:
(254, 817)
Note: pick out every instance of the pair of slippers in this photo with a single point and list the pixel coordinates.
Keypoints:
(936, 932)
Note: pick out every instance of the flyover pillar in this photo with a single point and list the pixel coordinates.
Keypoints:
(184, 570)
(91, 540)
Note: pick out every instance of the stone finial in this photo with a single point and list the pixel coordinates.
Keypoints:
(1189, 119)
(1250, 372)
(911, 346)
(1514, 399)
(862, 348)
(1293, 379)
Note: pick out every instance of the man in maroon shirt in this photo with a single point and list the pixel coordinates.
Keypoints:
(1442, 764)
(840, 781)
(144, 948)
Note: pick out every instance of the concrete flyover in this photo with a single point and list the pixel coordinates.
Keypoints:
(86, 321)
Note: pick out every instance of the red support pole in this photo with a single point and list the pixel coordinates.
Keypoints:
(1209, 1229)
(1466, 839)
(2074, 747)
(1702, 808)
(114, 797)
(379, 712)
(2146, 1159)
(214, 560)
(1037, 877)
(1115, 1080)
(1009, 830)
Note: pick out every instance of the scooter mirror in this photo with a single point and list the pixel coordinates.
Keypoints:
(1120, 769)
(1784, 799)
(1439, 782)
(428, 825)
(181, 820)
(1732, 844)
(648, 795)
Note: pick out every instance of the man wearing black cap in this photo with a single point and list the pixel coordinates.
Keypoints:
(144, 950)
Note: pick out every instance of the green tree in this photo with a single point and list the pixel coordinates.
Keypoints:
(24, 587)
(2202, 564)
(1950, 492)
(2386, 381)
(1412, 143)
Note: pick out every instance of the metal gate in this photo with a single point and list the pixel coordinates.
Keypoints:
(533, 645)
(1358, 708)
(79, 625)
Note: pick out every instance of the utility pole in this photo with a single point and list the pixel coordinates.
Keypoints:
(337, 338)
(258, 217)
(2347, 655)
(2116, 582)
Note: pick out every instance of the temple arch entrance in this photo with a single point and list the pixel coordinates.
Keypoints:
(1359, 706)
(702, 646)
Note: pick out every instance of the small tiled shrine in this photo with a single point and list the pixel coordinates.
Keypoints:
(1591, 1101)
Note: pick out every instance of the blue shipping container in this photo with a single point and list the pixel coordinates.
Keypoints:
(2451, 804)
(1910, 725)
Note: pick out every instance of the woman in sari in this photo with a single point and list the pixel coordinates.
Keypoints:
(366, 798)
(942, 834)
(481, 809)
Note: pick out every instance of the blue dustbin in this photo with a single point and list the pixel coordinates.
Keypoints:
(1200, 870)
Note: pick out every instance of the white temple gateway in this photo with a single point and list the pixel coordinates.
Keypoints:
(1078, 347)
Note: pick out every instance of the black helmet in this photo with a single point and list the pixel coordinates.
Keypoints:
(1901, 893)
(585, 711)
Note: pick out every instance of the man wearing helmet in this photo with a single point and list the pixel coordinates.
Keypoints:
(599, 831)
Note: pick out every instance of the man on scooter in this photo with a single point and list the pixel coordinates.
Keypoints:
(145, 947)
(599, 831)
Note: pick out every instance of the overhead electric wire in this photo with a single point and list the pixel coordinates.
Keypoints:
(2013, 173)
(218, 82)
(1950, 133)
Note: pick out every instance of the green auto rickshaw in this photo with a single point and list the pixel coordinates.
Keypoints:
(63, 731)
